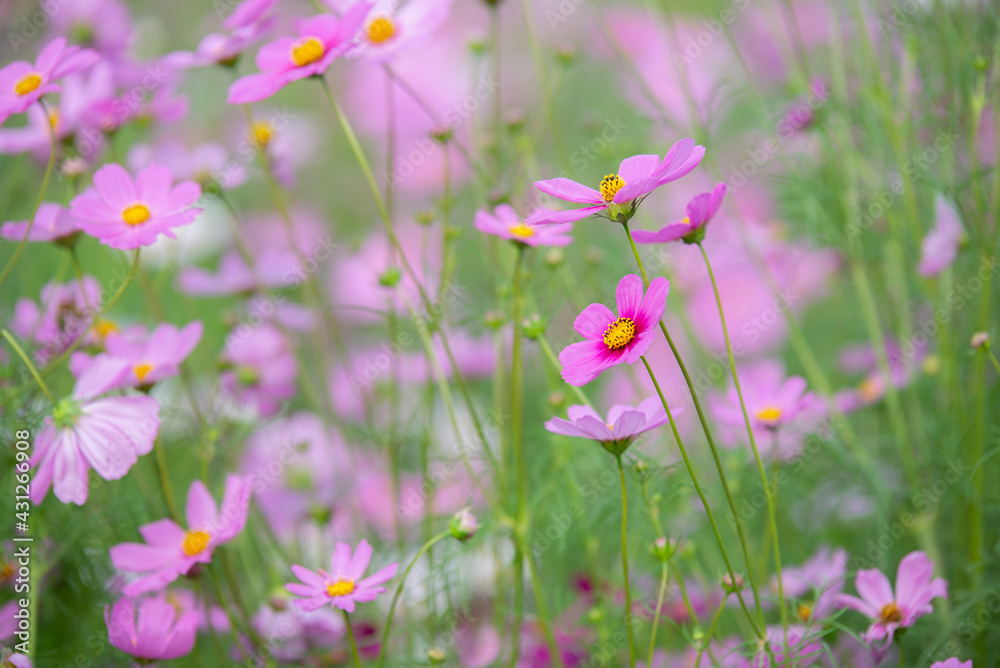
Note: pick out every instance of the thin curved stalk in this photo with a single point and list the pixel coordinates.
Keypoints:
(628, 593)
(656, 614)
(27, 362)
(350, 635)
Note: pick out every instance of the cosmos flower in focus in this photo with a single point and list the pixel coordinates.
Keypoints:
(620, 193)
(162, 631)
(506, 224)
(623, 425)
(700, 211)
(124, 213)
(321, 40)
(23, 83)
(916, 586)
(344, 585)
(615, 340)
(169, 551)
(86, 432)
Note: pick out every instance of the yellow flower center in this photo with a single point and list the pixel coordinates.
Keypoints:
(261, 133)
(28, 83)
(340, 588)
(54, 118)
(137, 214)
(804, 611)
(890, 614)
(769, 414)
(104, 327)
(381, 29)
(195, 542)
(306, 51)
(522, 230)
(610, 185)
(619, 333)
(142, 370)
(870, 389)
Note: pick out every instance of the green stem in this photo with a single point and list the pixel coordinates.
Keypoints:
(628, 594)
(543, 613)
(768, 492)
(168, 492)
(993, 359)
(38, 200)
(354, 645)
(707, 638)
(27, 362)
(551, 356)
(517, 438)
(399, 591)
(656, 614)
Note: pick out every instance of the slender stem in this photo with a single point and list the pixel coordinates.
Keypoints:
(704, 500)
(656, 613)
(707, 638)
(399, 591)
(628, 594)
(768, 492)
(517, 442)
(543, 79)
(543, 613)
(38, 200)
(715, 456)
(993, 359)
(354, 645)
(551, 356)
(168, 492)
(27, 362)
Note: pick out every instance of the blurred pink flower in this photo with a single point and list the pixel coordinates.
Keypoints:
(260, 368)
(792, 646)
(816, 583)
(620, 193)
(391, 30)
(218, 48)
(610, 340)
(344, 585)
(208, 164)
(247, 13)
(169, 551)
(157, 355)
(86, 432)
(952, 663)
(700, 210)
(940, 246)
(52, 223)
(23, 83)
(65, 313)
(915, 588)
(104, 25)
(321, 40)
(162, 631)
(124, 213)
(506, 224)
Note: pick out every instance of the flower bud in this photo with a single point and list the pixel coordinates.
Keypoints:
(436, 655)
(555, 257)
(464, 525)
(980, 340)
(663, 548)
(556, 399)
(494, 319)
(390, 277)
(533, 326)
(729, 585)
(442, 134)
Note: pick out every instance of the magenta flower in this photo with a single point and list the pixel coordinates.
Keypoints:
(321, 40)
(170, 551)
(620, 193)
(612, 340)
(390, 31)
(344, 585)
(506, 224)
(616, 434)
(161, 632)
(952, 663)
(23, 83)
(157, 356)
(124, 213)
(52, 223)
(85, 432)
(700, 211)
(915, 587)
(940, 246)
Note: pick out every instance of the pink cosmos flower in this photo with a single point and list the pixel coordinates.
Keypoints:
(621, 193)
(793, 646)
(23, 83)
(321, 40)
(612, 340)
(816, 583)
(156, 356)
(506, 224)
(940, 246)
(390, 31)
(691, 229)
(915, 587)
(161, 632)
(208, 164)
(218, 48)
(248, 12)
(85, 432)
(52, 223)
(952, 663)
(104, 25)
(170, 551)
(65, 313)
(623, 425)
(344, 585)
(262, 368)
(124, 213)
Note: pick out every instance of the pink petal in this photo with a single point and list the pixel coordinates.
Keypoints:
(570, 191)
(115, 186)
(593, 321)
(873, 586)
(629, 296)
(359, 562)
(653, 304)
(201, 509)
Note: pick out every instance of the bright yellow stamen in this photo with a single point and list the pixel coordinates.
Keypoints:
(137, 214)
(804, 611)
(340, 588)
(261, 133)
(381, 29)
(521, 230)
(610, 185)
(28, 83)
(142, 370)
(104, 327)
(769, 414)
(307, 51)
(195, 542)
(890, 614)
(619, 333)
